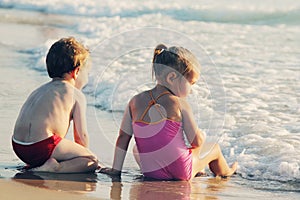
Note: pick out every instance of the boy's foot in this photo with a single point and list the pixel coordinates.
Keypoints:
(51, 165)
(201, 174)
(99, 168)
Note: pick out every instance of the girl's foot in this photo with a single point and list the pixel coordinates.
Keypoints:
(231, 170)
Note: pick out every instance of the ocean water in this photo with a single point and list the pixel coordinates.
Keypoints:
(248, 95)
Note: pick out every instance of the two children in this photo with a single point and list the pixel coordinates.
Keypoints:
(159, 118)
(43, 122)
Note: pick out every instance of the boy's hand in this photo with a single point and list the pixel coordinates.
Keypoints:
(110, 171)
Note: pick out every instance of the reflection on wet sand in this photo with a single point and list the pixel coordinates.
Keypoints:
(60, 182)
(198, 188)
(104, 186)
(208, 188)
(160, 190)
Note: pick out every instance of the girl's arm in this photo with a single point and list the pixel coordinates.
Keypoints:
(190, 127)
(122, 143)
(120, 152)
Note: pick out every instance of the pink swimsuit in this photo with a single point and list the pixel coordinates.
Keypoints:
(162, 150)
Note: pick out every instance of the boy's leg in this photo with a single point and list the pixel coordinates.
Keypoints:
(216, 161)
(70, 157)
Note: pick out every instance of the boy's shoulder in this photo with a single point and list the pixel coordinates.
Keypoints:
(61, 88)
(77, 94)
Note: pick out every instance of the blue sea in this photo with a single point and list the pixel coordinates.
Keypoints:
(247, 98)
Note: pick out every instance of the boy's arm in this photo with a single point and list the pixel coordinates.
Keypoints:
(79, 120)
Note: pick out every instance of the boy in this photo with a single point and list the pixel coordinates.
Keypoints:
(43, 122)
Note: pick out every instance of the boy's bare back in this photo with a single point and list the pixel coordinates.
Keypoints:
(47, 111)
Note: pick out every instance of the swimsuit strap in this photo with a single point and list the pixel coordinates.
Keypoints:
(153, 102)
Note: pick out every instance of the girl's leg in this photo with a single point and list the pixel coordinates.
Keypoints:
(69, 157)
(215, 160)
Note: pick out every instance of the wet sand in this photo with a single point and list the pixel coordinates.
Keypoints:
(31, 189)
(98, 186)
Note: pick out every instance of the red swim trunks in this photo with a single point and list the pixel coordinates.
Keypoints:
(38, 153)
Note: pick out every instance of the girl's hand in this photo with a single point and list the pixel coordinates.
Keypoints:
(110, 171)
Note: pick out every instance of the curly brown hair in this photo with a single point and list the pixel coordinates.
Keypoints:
(64, 56)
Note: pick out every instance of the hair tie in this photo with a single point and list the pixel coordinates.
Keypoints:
(162, 50)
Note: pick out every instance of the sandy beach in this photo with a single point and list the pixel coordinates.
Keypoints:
(30, 29)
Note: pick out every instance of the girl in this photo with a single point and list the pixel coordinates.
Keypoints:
(159, 119)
